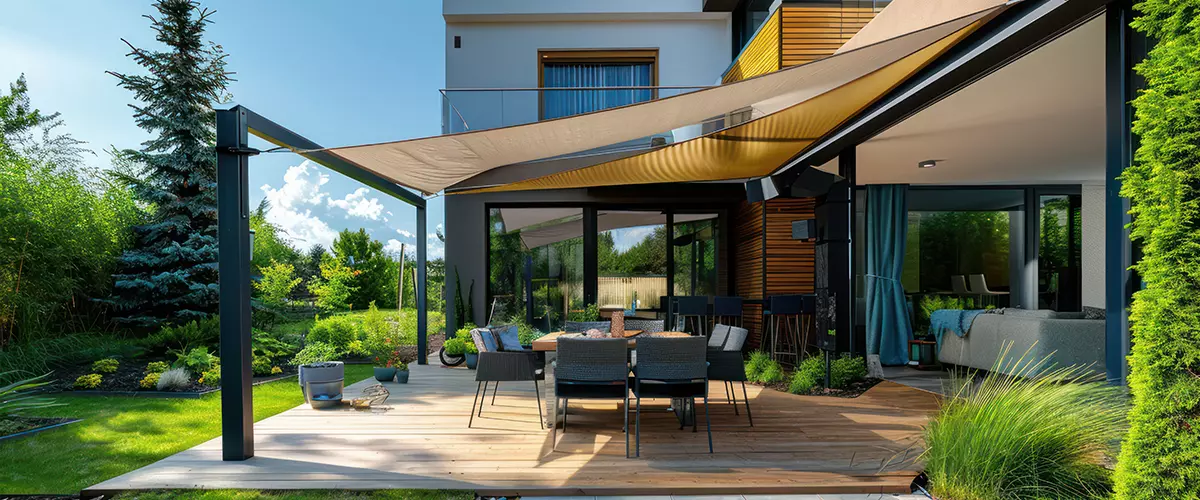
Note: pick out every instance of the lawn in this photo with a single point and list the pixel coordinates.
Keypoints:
(120, 434)
(299, 495)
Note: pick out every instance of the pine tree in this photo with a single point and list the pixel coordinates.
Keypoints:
(171, 273)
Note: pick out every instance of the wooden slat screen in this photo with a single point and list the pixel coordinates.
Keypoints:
(763, 233)
(761, 55)
(797, 33)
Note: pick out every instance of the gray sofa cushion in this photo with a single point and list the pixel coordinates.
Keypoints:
(1065, 341)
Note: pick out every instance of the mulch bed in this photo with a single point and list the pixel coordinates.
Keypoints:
(855, 390)
(17, 425)
(129, 376)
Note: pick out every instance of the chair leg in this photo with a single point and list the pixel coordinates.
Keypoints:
(481, 399)
(494, 391)
(473, 402)
(695, 420)
(746, 399)
(637, 429)
(707, 422)
(625, 429)
(565, 403)
(537, 394)
(734, 393)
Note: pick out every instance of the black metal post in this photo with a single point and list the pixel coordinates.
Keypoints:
(848, 168)
(233, 240)
(591, 267)
(1030, 294)
(528, 276)
(670, 268)
(1118, 251)
(421, 288)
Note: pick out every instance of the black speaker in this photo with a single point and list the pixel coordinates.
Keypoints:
(804, 229)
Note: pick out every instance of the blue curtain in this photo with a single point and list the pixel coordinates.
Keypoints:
(888, 325)
(560, 103)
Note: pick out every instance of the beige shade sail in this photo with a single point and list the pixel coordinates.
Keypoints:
(755, 148)
(432, 164)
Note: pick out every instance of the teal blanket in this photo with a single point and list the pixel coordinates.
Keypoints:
(956, 320)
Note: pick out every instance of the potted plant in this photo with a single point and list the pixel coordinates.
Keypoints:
(388, 364)
(471, 353)
(455, 347)
(402, 372)
(318, 368)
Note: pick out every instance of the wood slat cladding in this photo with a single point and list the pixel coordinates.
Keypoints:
(769, 262)
(816, 30)
(760, 56)
(798, 33)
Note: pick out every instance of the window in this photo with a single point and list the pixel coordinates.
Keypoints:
(579, 69)
(535, 253)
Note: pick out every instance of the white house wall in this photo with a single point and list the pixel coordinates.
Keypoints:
(1092, 256)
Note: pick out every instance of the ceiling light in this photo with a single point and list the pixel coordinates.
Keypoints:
(927, 164)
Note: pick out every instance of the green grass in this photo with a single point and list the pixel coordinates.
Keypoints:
(120, 434)
(299, 495)
(1040, 434)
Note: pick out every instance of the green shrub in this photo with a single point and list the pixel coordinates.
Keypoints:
(272, 346)
(157, 367)
(771, 373)
(186, 336)
(89, 381)
(469, 347)
(196, 360)
(1023, 437)
(809, 376)
(931, 303)
(455, 347)
(589, 313)
(316, 352)
(278, 281)
(106, 366)
(261, 366)
(527, 334)
(334, 286)
(339, 331)
(1160, 457)
(25, 359)
(758, 361)
(847, 370)
(211, 377)
(275, 370)
(150, 381)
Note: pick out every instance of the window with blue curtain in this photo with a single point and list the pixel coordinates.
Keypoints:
(560, 103)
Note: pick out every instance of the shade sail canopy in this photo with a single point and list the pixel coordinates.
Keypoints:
(436, 163)
(541, 228)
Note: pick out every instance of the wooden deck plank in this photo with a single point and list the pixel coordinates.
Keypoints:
(420, 440)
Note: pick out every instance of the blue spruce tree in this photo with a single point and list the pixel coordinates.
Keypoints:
(170, 275)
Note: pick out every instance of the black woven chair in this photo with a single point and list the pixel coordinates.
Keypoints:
(504, 366)
(591, 369)
(691, 314)
(645, 325)
(725, 363)
(671, 368)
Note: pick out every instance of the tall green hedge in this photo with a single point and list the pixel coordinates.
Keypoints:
(1160, 457)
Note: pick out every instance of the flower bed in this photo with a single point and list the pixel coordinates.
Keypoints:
(126, 381)
(14, 427)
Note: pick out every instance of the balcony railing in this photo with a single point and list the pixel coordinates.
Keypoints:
(468, 109)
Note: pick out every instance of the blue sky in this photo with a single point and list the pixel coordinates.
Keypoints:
(338, 73)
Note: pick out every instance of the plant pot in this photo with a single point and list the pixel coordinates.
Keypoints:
(402, 376)
(321, 372)
(472, 359)
(384, 374)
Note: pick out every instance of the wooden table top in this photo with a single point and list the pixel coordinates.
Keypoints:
(549, 342)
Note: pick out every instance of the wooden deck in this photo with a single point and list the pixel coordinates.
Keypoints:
(421, 440)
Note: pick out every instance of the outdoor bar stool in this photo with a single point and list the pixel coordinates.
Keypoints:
(784, 327)
(727, 311)
(671, 367)
(691, 313)
(589, 368)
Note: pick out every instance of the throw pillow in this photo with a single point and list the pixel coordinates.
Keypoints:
(1090, 312)
(487, 338)
(507, 338)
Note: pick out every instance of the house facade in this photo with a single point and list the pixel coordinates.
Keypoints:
(1007, 174)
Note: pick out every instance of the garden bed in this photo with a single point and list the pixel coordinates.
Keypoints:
(854, 390)
(126, 381)
(16, 427)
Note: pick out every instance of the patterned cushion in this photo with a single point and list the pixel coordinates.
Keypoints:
(1090, 312)
(718, 336)
(484, 339)
(508, 338)
(737, 338)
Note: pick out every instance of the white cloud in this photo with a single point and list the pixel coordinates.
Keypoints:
(406, 234)
(393, 247)
(356, 204)
(301, 186)
(626, 238)
(434, 249)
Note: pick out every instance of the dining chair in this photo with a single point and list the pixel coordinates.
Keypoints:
(958, 283)
(495, 366)
(671, 367)
(645, 325)
(589, 368)
(725, 363)
(691, 313)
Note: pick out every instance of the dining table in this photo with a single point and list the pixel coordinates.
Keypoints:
(548, 344)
